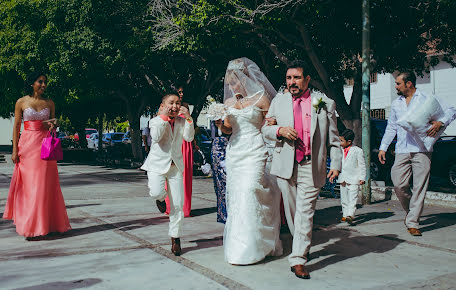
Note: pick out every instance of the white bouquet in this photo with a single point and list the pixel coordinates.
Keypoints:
(216, 111)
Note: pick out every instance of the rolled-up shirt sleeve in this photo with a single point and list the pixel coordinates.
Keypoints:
(449, 111)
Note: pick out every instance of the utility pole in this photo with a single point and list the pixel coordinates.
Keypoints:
(365, 105)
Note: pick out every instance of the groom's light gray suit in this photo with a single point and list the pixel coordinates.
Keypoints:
(301, 183)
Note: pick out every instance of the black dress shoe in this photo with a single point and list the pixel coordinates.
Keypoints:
(300, 271)
(161, 206)
(36, 238)
(176, 246)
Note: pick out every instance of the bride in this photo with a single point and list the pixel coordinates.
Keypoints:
(252, 227)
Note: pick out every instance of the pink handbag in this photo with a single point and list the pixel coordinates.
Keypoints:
(51, 148)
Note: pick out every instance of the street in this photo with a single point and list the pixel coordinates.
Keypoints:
(119, 241)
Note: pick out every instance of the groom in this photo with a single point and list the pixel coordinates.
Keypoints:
(305, 130)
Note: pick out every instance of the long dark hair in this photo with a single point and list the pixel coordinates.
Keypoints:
(31, 79)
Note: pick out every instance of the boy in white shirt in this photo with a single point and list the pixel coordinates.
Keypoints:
(164, 162)
(352, 175)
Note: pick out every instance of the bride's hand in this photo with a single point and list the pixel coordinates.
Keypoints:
(218, 123)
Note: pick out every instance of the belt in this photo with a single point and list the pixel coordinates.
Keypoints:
(306, 158)
(34, 125)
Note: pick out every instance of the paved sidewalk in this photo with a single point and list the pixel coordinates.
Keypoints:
(119, 241)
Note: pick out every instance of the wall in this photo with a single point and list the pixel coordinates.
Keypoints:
(441, 81)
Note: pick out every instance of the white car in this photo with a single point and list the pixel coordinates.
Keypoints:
(92, 141)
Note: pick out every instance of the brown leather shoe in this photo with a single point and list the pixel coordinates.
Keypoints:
(161, 206)
(349, 220)
(300, 271)
(414, 232)
(176, 246)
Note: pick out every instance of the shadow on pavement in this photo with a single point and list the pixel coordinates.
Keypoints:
(347, 247)
(123, 226)
(365, 217)
(82, 179)
(82, 205)
(437, 221)
(204, 244)
(76, 284)
(331, 216)
(327, 216)
(203, 211)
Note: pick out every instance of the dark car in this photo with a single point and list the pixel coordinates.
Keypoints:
(204, 142)
(381, 172)
(444, 159)
(113, 139)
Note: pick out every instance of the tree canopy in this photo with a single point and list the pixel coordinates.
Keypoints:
(116, 57)
(325, 34)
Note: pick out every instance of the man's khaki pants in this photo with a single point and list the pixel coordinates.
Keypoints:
(299, 200)
(406, 165)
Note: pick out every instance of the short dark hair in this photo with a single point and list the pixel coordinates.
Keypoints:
(297, 64)
(165, 97)
(348, 135)
(31, 79)
(408, 76)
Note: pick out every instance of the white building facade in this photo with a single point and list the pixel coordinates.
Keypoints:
(441, 82)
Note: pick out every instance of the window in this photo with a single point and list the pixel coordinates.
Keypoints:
(351, 81)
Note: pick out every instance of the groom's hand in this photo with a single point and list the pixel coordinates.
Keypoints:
(332, 174)
(289, 133)
(271, 121)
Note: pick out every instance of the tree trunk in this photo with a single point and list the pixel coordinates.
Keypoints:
(355, 106)
(79, 126)
(133, 116)
(135, 134)
(100, 131)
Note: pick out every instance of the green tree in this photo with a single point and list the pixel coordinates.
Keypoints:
(98, 56)
(325, 34)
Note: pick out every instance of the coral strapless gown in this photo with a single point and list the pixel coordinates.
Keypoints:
(35, 201)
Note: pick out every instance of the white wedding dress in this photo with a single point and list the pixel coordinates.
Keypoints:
(253, 209)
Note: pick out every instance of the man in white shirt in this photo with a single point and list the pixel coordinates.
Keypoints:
(411, 159)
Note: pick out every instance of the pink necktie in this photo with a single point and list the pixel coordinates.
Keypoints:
(298, 126)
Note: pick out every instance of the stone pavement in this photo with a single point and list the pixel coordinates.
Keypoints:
(119, 241)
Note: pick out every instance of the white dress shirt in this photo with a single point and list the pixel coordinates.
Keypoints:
(405, 142)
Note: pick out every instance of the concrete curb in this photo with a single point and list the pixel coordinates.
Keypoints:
(380, 193)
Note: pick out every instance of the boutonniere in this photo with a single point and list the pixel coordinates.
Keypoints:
(318, 104)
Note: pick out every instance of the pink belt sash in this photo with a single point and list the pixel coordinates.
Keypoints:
(36, 125)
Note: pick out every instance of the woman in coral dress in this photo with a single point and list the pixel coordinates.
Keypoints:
(35, 202)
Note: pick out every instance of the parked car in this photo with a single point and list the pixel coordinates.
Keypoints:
(443, 163)
(204, 142)
(113, 139)
(126, 139)
(92, 141)
(444, 159)
(90, 131)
